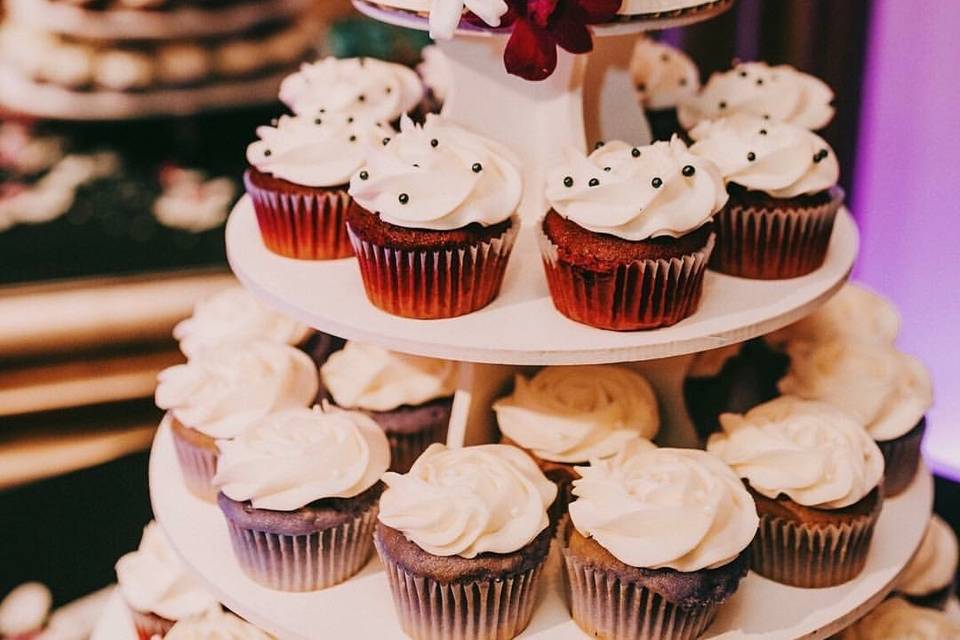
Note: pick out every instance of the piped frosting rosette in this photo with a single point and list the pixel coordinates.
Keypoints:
(433, 179)
(779, 93)
(368, 88)
(931, 573)
(784, 197)
(817, 475)
(625, 196)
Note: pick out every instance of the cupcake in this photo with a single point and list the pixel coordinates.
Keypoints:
(297, 179)
(931, 577)
(24, 611)
(299, 491)
(658, 540)
(567, 416)
(216, 625)
(627, 240)
(779, 93)
(410, 397)
(222, 392)
(897, 619)
(664, 78)
(784, 197)
(816, 478)
(157, 588)
(426, 252)
(883, 389)
(371, 89)
(463, 537)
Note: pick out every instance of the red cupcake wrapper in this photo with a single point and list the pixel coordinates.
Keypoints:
(436, 283)
(150, 625)
(299, 563)
(198, 464)
(773, 244)
(901, 459)
(605, 606)
(645, 294)
(306, 226)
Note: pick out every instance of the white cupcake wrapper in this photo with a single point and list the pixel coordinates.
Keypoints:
(198, 465)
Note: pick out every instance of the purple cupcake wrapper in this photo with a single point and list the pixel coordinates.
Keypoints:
(494, 609)
(605, 606)
(298, 563)
(198, 466)
(405, 448)
(901, 459)
(150, 625)
(799, 555)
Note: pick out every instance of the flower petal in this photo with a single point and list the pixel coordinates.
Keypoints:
(569, 28)
(540, 11)
(531, 53)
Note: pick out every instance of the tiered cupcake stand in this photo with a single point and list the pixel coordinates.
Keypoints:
(522, 329)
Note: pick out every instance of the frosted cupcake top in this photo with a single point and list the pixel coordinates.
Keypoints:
(663, 75)
(782, 160)
(153, 580)
(810, 452)
(681, 509)
(577, 414)
(779, 93)
(367, 88)
(637, 193)
(464, 502)
(216, 625)
(886, 390)
(934, 565)
(897, 618)
(854, 314)
(292, 458)
(233, 316)
(362, 376)
(25, 610)
(439, 176)
(225, 390)
(315, 151)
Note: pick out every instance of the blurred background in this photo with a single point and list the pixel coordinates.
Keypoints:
(112, 141)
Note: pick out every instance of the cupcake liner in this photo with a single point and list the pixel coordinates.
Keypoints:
(298, 563)
(773, 244)
(493, 609)
(429, 284)
(812, 556)
(310, 225)
(644, 294)
(405, 448)
(150, 625)
(605, 606)
(198, 463)
(901, 459)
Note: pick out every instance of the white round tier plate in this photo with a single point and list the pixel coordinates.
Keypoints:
(362, 606)
(115, 622)
(521, 326)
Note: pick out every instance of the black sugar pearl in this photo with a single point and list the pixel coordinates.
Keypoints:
(743, 74)
(656, 183)
(404, 198)
(723, 104)
(416, 164)
(599, 144)
(607, 169)
(751, 156)
(665, 57)
(353, 138)
(635, 152)
(759, 81)
(322, 110)
(820, 155)
(350, 120)
(385, 141)
(568, 182)
(689, 170)
(267, 152)
(594, 182)
(477, 167)
(434, 143)
(763, 132)
(683, 82)
(389, 90)
(364, 175)
(361, 98)
(766, 116)
(317, 121)
(642, 86)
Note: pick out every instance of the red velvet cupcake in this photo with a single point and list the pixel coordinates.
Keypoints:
(433, 221)
(297, 181)
(628, 239)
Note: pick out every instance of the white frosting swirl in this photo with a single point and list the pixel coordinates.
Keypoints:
(782, 160)
(294, 457)
(658, 508)
(811, 452)
(854, 314)
(663, 75)
(315, 151)
(362, 376)
(439, 176)
(934, 566)
(367, 88)
(658, 190)
(757, 89)
(577, 414)
(153, 580)
(25, 609)
(216, 625)
(464, 502)
(225, 390)
(233, 316)
(886, 390)
(897, 619)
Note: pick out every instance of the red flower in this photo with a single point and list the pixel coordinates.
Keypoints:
(540, 26)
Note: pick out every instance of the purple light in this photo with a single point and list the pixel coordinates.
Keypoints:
(907, 195)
